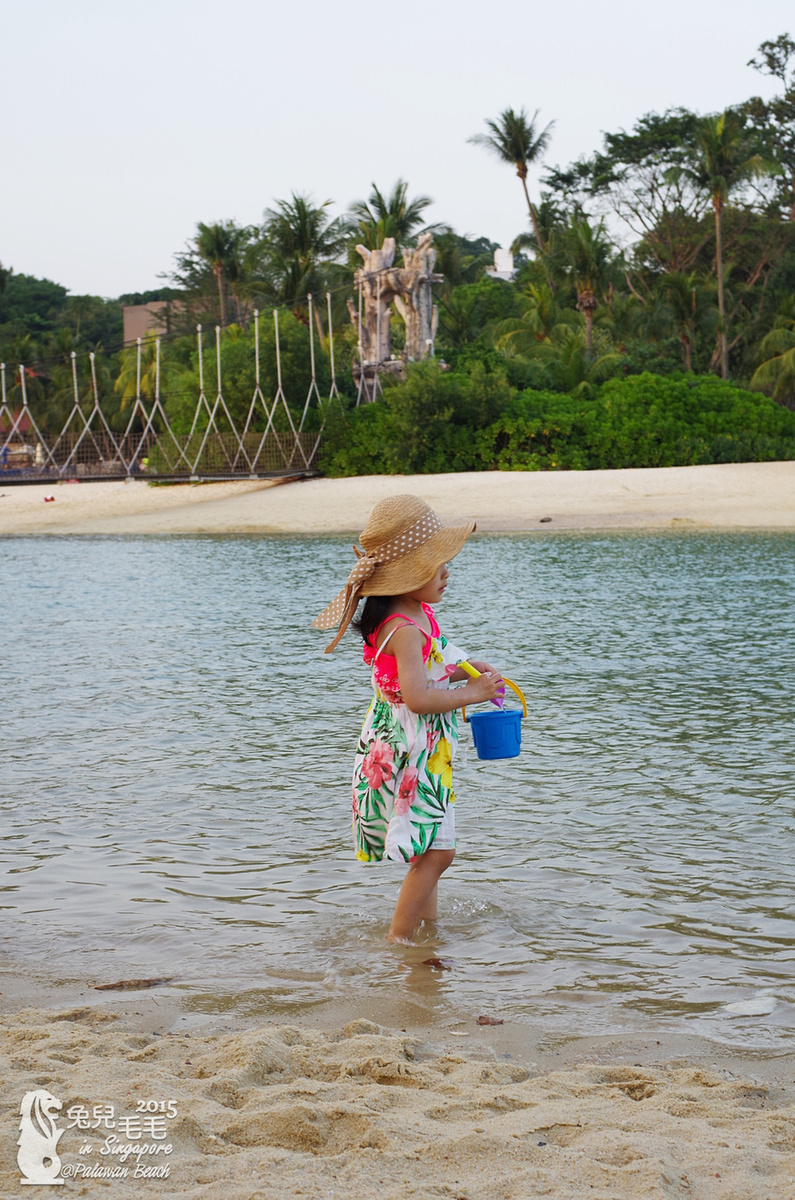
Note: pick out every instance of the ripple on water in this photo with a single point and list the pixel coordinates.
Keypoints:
(177, 761)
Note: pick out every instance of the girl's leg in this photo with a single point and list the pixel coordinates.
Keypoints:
(417, 897)
(431, 910)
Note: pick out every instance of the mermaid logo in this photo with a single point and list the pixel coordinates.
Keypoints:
(38, 1138)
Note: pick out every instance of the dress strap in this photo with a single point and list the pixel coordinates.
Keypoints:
(406, 621)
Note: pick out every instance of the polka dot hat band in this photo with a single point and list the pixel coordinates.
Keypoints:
(404, 545)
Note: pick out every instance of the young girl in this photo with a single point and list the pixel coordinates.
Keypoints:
(402, 781)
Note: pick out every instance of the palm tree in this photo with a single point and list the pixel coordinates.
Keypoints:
(726, 160)
(777, 352)
(127, 381)
(18, 350)
(513, 138)
(219, 246)
(383, 216)
(587, 251)
(299, 242)
(569, 366)
(541, 315)
(777, 372)
(460, 317)
(687, 304)
(459, 259)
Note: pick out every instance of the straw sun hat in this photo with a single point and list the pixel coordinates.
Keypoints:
(404, 543)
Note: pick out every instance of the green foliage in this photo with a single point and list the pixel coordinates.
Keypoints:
(163, 293)
(458, 422)
(423, 425)
(238, 374)
(651, 421)
(658, 355)
(514, 138)
(383, 216)
(461, 260)
(774, 120)
(94, 322)
(470, 312)
(29, 305)
(298, 238)
(776, 373)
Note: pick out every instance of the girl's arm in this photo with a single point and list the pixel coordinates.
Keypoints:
(418, 696)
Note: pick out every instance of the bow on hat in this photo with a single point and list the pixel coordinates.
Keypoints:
(401, 545)
(343, 606)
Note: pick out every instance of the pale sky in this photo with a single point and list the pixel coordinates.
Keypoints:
(125, 123)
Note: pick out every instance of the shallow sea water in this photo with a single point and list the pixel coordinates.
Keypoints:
(176, 781)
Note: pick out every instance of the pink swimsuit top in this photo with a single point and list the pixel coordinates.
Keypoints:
(385, 672)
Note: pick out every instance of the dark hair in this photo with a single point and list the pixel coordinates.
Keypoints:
(374, 611)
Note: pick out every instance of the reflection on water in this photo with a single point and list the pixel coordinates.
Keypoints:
(177, 762)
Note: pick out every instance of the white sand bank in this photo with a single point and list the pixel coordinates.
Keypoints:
(279, 1110)
(733, 496)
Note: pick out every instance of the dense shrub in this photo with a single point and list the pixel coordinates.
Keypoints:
(438, 422)
(426, 425)
(657, 421)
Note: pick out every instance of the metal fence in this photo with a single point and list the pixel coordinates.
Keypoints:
(214, 448)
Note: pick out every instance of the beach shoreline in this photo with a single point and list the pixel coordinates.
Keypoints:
(741, 496)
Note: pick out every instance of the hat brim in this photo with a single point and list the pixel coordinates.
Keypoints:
(415, 569)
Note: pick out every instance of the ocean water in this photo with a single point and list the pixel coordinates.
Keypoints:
(176, 756)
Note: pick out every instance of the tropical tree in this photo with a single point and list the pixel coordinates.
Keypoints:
(726, 158)
(60, 380)
(126, 384)
(776, 374)
(382, 216)
(218, 245)
(460, 319)
(460, 259)
(215, 259)
(540, 316)
(688, 304)
(19, 350)
(569, 364)
(468, 315)
(514, 139)
(641, 177)
(588, 256)
(94, 321)
(774, 120)
(300, 243)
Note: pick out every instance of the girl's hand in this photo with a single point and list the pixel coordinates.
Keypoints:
(483, 666)
(489, 685)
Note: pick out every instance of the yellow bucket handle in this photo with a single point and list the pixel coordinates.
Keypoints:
(470, 670)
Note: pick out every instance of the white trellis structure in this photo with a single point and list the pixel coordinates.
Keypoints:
(150, 446)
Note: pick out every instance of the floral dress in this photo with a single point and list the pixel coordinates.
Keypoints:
(403, 779)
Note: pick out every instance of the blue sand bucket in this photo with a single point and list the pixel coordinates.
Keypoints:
(498, 733)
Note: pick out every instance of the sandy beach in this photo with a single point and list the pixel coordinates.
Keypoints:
(732, 496)
(265, 1110)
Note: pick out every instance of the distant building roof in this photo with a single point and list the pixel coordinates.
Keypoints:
(503, 265)
(144, 320)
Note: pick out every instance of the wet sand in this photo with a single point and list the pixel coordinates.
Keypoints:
(334, 1103)
(732, 496)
